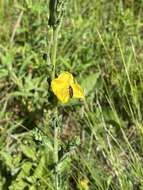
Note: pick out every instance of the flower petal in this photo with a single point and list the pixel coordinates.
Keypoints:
(77, 91)
(61, 90)
(66, 77)
(61, 87)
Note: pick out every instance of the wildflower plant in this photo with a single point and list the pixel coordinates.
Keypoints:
(64, 87)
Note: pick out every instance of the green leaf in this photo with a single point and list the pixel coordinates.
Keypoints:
(89, 82)
(7, 158)
(38, 172)
(3, 73)
(29, 152)
(18, 185)
(64, 165)
(39, 169)
(26, 168)
(32, 188)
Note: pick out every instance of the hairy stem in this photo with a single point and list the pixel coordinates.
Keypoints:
(56, 156)
(54, 49)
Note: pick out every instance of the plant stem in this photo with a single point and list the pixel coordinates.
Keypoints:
(56, 128)
(54, 49)
(56, 131)
(56, 151)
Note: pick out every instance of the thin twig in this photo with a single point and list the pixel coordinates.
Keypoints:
(16, 26)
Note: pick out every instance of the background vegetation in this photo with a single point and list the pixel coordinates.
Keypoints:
(100, 142)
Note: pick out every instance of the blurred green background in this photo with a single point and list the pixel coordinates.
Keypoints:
(100, 142)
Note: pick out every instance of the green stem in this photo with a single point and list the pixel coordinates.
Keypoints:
(56, 150)
(56, 144)
(54, 49)
(56, 131)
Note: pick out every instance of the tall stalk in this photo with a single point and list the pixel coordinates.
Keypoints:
(54, 49)
(56, 8)
(55, 18)
(56, 158)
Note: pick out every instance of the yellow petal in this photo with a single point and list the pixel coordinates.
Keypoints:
(61, 90)
(77, 91)
(66, 77)
(84, 184)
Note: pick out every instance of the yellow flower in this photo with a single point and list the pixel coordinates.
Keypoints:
(84, 184)
(64, 87)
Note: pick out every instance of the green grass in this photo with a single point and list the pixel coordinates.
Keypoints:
(46, 145)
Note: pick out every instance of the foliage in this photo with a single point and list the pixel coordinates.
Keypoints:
(45, 144)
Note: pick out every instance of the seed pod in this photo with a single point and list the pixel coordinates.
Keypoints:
(52, 11)
(56, 10)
